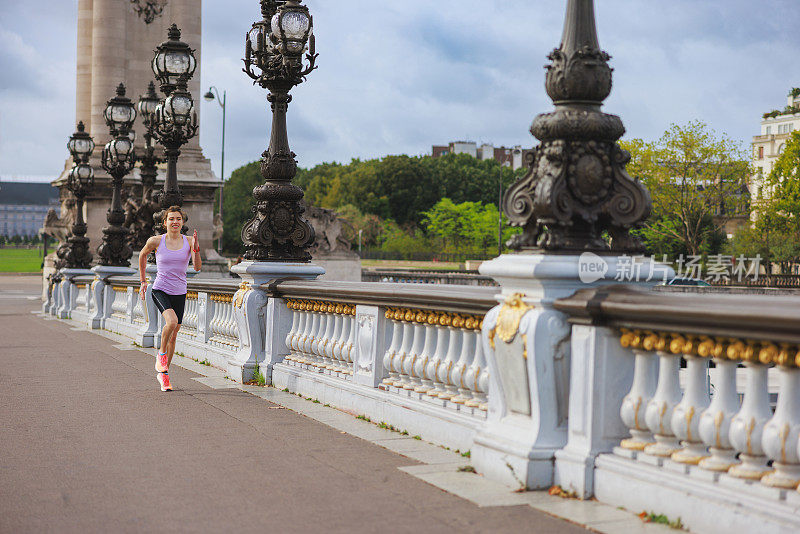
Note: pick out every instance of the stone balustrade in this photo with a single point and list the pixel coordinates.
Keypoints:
(683, 387)
(683, 404)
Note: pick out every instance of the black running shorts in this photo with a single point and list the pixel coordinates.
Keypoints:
(164, 302)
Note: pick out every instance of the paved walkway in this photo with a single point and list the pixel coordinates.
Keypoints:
(88, 443)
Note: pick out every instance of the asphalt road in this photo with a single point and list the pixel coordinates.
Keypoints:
(88, 443)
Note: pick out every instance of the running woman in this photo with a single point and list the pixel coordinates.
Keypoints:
(173, 251)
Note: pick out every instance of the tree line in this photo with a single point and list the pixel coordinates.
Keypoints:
(398, 203)
(699, 182)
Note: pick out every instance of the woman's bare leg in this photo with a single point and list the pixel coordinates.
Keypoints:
(171, 344)
(168, 332)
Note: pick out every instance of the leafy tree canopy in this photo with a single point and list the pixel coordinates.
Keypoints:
(696, 180)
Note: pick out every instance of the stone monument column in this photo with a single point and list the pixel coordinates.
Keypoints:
(115, 45)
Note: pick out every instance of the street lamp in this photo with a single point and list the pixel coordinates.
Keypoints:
(142, 227)
(173, 60)
(118, 160)
(275, 47)
(576, 187)
(210, 97)
(75, 253)
(174, 119)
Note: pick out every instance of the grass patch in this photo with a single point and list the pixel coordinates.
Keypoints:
(466, 469)
(20, 260)
(417, 437)
(258, 376)
(466, 454)
(364, 418)
(205, 362)
(661, 519)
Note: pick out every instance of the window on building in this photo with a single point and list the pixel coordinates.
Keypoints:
(769, 130)
(781, 148)
(761, 152)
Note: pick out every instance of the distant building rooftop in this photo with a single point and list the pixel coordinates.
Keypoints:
(41, 194)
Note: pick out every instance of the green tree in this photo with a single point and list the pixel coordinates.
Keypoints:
(696, 181)
(238, 201)
(775, 232)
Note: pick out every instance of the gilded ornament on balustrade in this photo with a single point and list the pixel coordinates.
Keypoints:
(508, 319)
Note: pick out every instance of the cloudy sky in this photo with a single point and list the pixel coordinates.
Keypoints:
(397, 77)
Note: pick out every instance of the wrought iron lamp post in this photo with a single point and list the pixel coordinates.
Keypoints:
(79, 182)
(118, 160)
(143, 227)
(577, 187)
(210, 97)
(275, 46)
(174, 120)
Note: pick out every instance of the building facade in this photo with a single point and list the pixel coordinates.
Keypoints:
(776, 128)
(509, 157)
(24, 207)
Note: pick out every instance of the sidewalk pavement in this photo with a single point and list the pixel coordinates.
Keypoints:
(89, 443)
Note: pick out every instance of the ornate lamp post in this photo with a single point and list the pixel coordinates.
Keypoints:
(118, 160)
(577, 186)
(210, 97)
(275, 46)
(79, 182)
(174, 120)
(142, 226)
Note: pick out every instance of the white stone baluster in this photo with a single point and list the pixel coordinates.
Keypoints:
(308, 358)
(337, 349)
(325, 339)
(405, 349)
(351, 339)
(457, 375)
(645, 372)
(478, 375)
(213, 325)
(297, 320)
(338, 324)
(306, 333)
(319, 337)
(413, 381)
(747, 426)
(442, 338)
(658, 414)
(780, 440)
(686, 416)
(230, 320)
(421, 365)
(394, 346)
(448, 389)
(715, 423)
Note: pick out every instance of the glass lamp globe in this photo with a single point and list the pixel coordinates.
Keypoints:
(81, 174)
(120, 149)
(120, 112)
(80, 145)
(147, 103)
(173, 59)
(178, 107)
(292, 25)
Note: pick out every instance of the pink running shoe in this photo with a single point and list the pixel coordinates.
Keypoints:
(163, 379)
(161, 363)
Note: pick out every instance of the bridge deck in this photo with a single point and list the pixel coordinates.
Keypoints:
(89, 443)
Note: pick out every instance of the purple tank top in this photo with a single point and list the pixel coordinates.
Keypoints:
(172, 265)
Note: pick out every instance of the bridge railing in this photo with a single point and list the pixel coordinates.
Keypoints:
(679, 388)
(685, 404)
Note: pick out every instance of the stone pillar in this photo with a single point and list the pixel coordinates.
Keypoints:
(83, 96)
(263, 321)
(109, 62)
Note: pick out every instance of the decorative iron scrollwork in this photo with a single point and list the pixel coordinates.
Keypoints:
(576, 187)
(149, 10)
